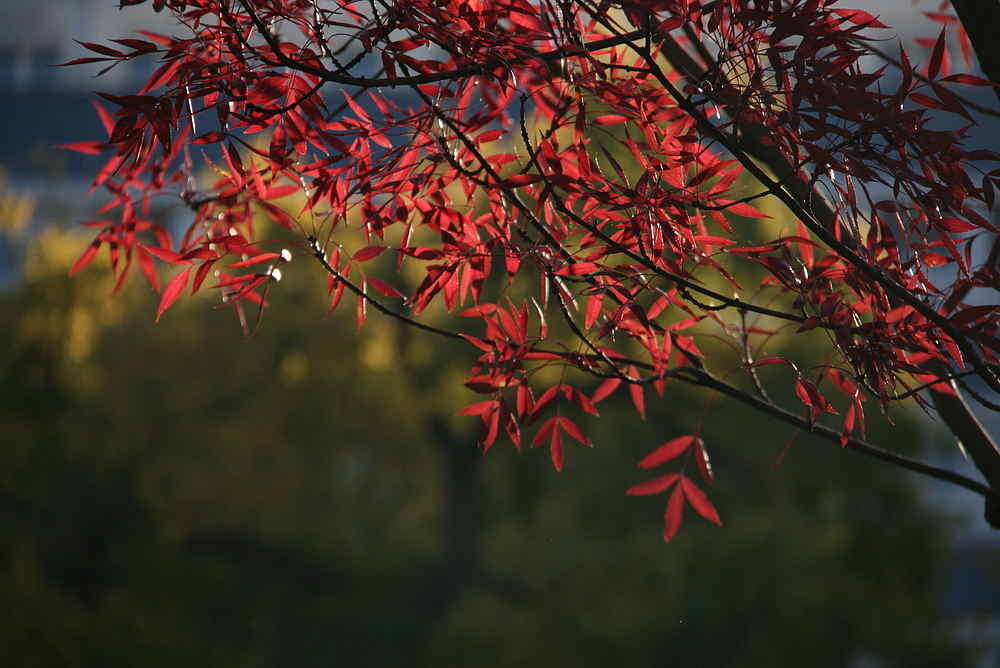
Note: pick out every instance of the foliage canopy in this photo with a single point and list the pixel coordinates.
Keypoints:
(639, 191)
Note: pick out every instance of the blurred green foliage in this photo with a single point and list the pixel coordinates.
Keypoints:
(173, 494)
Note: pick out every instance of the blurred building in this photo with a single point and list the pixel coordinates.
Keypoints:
(42, 104)
(37, 36)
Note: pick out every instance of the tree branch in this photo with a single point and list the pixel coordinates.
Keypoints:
(981, 18)
(320, 255)
(703, 378)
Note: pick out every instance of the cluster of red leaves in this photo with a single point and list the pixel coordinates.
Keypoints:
(604, 157)
(684, 488)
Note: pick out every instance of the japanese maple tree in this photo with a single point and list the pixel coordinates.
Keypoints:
(587, 182)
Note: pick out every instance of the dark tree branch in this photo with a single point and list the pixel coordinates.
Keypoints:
(981, 20)
(975, 441)
(702, 378)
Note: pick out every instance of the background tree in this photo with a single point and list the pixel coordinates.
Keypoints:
(588, 181)
(227, 503)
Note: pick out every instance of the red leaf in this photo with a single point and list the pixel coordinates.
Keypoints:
(668, 451)
(479, 311)
(510, 424)
(526, 20)
(362, 311)
(543, 403)
(746, 210)
(687, 345)
(556, 448)
(704, 465)
(845, 434)
(545, 431)
(610, 119)
(928, 101)
(635, 390)
(594, 302)
(166, 254)
(388, 64)
(574, 431)
(578, 269)
(101, 49)
(87, 256)
(637, 399)
(481, 386)
(551, 429)
(173, 290)
(368, 253)
(954, 225)
(489, 426)
(860, 17)
(148, 270)
(137, 44)
(478, 408)
(384, 287)
(87, 147)
(674, 514)
(525, 400)
(85, 61)
(699, 501)
(972, 313)
(810, 395)
(937, 57)
(934, 259)
(479, 343)
(209, 138)
(968, 80)
(422, 253)
(256, 259)
(579, 398)
(519, 180)
(338, 294)
(234, 160)
(654, 486)
(606, 389)
(201, 275)
(774, 360)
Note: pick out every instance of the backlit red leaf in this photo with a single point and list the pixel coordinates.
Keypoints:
(699, 501)
(87, 256)
(674, 514)
(654, 486)
(384, 288)
(519, 180)
(87, 147)
(704, 464)
(574, 431)
(556, 449)
(606, 389)
(368, 253)
(173, 290)
(668, 451)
